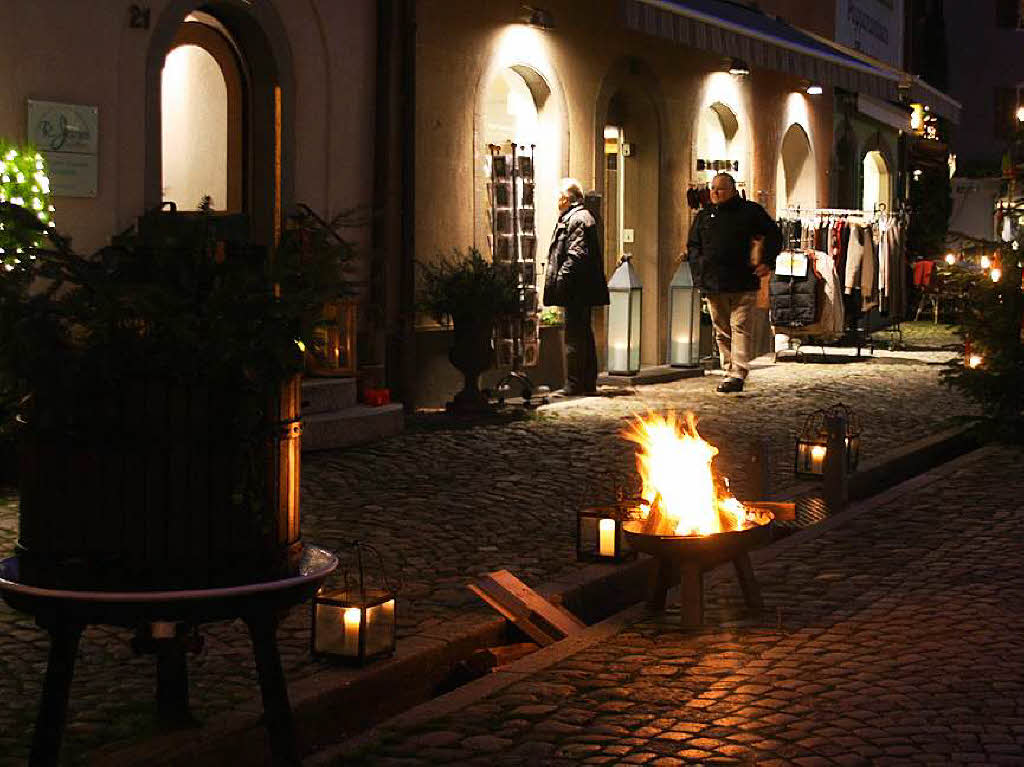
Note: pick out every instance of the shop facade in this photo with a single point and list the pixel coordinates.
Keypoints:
(636, 100)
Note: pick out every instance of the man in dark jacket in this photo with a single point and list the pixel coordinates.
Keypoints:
(575, 279)
(720, 251)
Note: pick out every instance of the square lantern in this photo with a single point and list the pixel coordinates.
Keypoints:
(354, 622)
(334, 340)
(624, 311)
(352, 626)
(812, 442)
(684, 319)
(599, 536)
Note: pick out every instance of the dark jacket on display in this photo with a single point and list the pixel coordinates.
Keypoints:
(794, 300)
(718, 248)
(575, 270)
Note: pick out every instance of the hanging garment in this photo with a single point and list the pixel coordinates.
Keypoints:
(794, 299)
(862, 266)
(923, 273)
(884, 267)
(831, 317)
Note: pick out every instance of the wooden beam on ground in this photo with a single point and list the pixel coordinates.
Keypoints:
(542, 621)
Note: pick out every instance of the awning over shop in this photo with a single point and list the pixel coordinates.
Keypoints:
(760, 41)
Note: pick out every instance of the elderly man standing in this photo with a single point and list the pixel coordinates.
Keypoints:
(721, 254)
(575, 280)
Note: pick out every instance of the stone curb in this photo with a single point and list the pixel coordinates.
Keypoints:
(321, 701)
(544, 658)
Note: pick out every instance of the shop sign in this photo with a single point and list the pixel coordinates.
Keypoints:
(874, 27)
(67, 135)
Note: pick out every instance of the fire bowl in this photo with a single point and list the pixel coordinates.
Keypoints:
(708, 550)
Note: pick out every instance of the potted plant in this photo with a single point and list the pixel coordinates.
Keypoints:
(470, 293)
(154, 390)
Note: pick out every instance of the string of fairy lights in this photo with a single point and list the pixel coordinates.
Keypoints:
(23, 181)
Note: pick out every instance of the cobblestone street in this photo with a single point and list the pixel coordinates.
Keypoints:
(893, 638)
(446, 504)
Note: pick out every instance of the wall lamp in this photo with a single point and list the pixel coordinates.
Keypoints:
(538, 17)
(738, 67)
(814, 90)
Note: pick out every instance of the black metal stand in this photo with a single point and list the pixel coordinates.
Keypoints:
(65, 613)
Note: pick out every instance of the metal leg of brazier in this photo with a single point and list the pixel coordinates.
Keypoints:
(660, 584)
(53, 709)
(276, 709)
(691, 595)
(172, 680)
(748, 582)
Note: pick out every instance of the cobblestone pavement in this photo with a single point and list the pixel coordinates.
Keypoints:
(894, 638)
(447, 504)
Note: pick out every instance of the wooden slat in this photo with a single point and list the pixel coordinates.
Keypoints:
(542, 621)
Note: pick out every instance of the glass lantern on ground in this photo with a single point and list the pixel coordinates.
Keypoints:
(684, 319)
(812, 442)
(599, 536)
(355, 622)
(624, 311)
(334, 340)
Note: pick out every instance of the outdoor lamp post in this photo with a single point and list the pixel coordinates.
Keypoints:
(812, 442)
(626, 299)
(355, 623)
(684, 319)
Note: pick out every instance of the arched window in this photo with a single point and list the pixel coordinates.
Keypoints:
(795, 172)
(877, 184)
(201, 110)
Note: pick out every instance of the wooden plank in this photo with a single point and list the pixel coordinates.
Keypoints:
(781, 511)
(542, 621)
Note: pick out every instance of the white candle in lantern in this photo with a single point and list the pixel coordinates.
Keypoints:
(351, 620)
(818, 458)
(606, 543)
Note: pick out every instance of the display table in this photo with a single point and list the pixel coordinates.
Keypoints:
(66, 613)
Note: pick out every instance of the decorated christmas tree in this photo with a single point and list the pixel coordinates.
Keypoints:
(991, 371)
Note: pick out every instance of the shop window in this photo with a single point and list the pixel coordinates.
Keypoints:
(877, 183)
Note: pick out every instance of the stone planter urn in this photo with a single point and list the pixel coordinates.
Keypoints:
(472, 353)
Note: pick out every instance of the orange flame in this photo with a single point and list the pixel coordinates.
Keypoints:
(679, 487)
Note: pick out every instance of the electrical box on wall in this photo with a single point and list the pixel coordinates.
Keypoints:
(627, 235)
(627, 149)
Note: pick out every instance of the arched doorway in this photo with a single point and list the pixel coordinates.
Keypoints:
(202, 125)
(795, 171)
(233, 58)
(877, 181)
(630, 189)
(717, 146)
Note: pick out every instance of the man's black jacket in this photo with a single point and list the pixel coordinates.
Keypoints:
(575, 271)
(718, 248)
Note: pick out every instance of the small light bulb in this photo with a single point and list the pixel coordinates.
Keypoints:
(996, 274)
(986, 262)
(950, 259)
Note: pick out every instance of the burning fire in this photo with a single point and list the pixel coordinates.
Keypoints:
(679, 489)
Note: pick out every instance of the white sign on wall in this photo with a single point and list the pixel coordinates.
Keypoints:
(874, 27)
(67, 135)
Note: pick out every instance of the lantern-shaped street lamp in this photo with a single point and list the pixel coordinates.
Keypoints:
(812, 442)
(333, 349)
(599, 536)
(626, 294)
(355, 622)
(684, 319)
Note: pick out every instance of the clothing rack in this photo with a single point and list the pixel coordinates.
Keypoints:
(857, 335)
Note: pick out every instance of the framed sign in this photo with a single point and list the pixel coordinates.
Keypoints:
(67, 135)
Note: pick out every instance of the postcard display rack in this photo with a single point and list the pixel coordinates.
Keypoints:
(513, 242)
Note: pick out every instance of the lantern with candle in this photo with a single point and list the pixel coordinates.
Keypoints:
(812, 442)
(684, 319)
(355, 622)
(624, 310)
(599, 535)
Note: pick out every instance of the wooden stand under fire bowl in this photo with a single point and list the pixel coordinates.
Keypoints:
(684, 558)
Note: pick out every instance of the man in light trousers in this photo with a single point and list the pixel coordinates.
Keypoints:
(727, 268)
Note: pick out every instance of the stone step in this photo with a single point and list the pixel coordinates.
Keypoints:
(325, 395)
(650, 375)
(351, 426)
